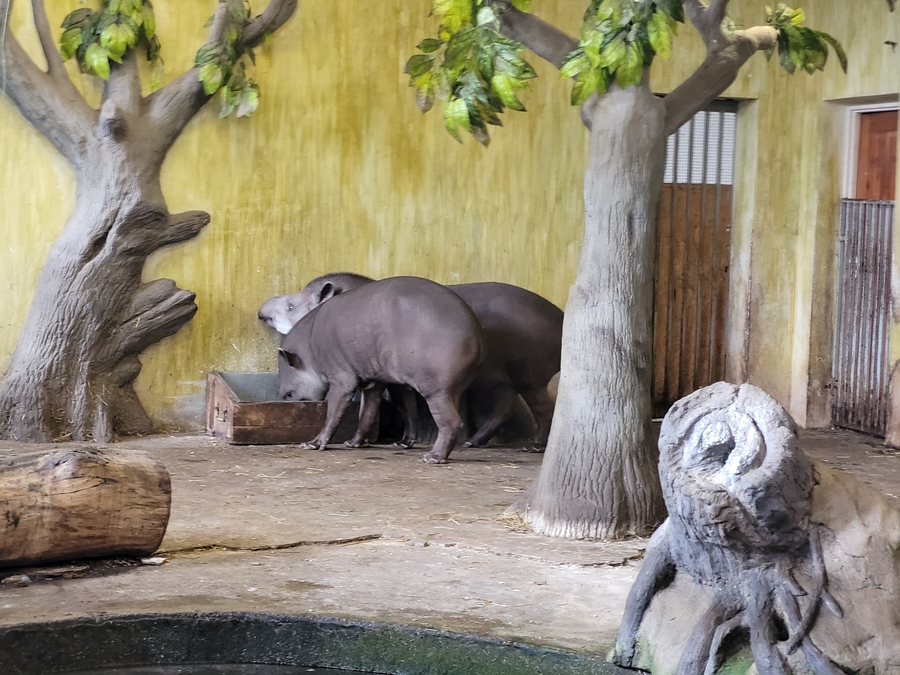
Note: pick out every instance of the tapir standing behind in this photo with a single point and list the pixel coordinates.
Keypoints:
(402, 330)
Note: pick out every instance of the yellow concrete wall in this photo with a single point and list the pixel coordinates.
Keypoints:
(339, 171)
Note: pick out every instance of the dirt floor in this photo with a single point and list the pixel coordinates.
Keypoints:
(373, 534)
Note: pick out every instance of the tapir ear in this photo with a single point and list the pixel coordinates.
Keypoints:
(326, 292)
(292, 359)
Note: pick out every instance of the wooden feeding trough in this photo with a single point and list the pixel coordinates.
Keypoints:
(244, 409)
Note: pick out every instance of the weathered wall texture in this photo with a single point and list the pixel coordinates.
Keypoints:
(339, 171)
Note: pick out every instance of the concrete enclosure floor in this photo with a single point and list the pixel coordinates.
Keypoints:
(374, 534)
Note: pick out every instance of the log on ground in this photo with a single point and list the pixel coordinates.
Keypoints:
(80, 502)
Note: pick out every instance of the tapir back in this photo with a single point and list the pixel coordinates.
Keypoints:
(403, 330)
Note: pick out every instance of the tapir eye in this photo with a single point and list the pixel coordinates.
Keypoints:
(288, 396)
(290, 307)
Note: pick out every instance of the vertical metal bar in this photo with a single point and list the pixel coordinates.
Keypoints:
(670, 304)
(717, 223)
(698, 295)
(837, 372)
(855, 316)
(687, 227)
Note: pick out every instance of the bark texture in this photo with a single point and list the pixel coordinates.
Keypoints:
(598, 479)
(81, 503)
(72, 372)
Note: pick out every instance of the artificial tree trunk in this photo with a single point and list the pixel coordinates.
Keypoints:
(599, 477)
(72, 371)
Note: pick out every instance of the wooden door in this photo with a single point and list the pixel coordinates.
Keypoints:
(694, 243)
(876, 168)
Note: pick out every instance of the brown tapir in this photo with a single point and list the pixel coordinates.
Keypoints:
(403, 330)
(523, 334)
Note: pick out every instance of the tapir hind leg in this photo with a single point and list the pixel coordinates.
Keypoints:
(371, 399)
(410, 410)
(504, 397)
(444, 408)
(542, 407)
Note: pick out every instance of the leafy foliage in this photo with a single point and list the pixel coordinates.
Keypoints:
(96, 37)
(471, 65)
(223, 65)
(799, 46)
(619, 38)
(478, 71)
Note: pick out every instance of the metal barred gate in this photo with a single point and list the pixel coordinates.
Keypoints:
(862, 316)
(693, 254)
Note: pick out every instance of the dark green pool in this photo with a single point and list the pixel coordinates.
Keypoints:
(183, 644)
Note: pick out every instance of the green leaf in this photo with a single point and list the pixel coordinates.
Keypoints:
(838, 49)
(585, 85)
(211, 75)
(78, 17)
(797, 17)
(658, 31)
(630, 72)
(96, 59)
(418, 65)
(574, 63)
(70, 42)
(502, 86)
(673, 8)
(156, 74)
(149, 21)
(207, 54)
(425, 93)
(514, 65)
(613, 55)
(248, 101)
(451, 111)
(429, 45)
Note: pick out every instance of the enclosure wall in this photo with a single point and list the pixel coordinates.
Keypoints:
(339, 171)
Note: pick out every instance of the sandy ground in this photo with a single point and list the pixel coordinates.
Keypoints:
(374, 534)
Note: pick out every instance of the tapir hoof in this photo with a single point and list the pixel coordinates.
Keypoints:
(308, 446)
(428, 458)
(356, 443)
(535, 448)
(403, 444)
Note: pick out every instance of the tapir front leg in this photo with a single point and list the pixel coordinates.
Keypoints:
(337, 400)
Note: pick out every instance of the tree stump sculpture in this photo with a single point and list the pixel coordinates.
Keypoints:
(739, 494)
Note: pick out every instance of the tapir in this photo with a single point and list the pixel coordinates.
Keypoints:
(404, 331)
(523, 334)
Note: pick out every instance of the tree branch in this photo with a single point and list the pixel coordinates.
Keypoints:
(172, 107)
(725, 55)
(52, 105)
(55, 65)
(544, 39)
(158, 310)
(272, 18)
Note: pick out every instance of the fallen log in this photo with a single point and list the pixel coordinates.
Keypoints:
(80, 502)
